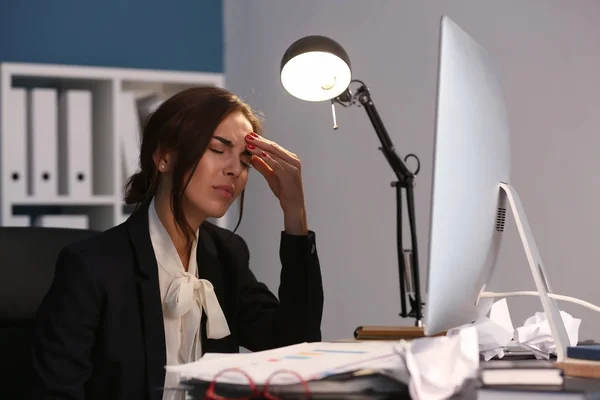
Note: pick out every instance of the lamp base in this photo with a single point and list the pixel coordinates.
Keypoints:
(380, 332)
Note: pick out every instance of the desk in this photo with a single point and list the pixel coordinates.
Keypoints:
(574, 388)
(380, 387)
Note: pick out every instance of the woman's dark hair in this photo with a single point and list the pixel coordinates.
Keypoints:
(184, 124)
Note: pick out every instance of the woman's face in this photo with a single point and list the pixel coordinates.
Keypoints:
(222, 172)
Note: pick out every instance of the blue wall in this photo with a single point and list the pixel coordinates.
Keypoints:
(156, 34)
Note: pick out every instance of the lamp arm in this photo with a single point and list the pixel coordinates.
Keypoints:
(404, 175)
(405, 180)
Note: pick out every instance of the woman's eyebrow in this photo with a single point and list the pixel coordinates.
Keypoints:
(226, 142)
(229, 144)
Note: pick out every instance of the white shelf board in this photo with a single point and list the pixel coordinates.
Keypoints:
(107, 73)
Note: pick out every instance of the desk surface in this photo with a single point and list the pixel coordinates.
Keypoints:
(573, 388)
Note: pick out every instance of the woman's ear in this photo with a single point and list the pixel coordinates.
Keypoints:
(163, 160)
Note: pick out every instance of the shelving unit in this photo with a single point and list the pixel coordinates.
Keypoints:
(104, 207)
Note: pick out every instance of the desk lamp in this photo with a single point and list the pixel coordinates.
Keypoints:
(317, 68)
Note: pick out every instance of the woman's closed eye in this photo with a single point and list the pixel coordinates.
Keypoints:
(246, 160)
(245, 164)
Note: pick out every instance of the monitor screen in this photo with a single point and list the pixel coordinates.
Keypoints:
(471, 159)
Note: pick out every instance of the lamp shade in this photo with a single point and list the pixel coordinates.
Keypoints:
(315, 68)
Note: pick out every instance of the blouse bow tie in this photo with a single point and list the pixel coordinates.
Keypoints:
(186, 297)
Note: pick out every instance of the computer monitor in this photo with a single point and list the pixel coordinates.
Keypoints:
(471, 158)
(471, 189)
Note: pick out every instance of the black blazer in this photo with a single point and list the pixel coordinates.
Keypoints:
(99, 332)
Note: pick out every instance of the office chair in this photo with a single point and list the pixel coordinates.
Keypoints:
(27, 261)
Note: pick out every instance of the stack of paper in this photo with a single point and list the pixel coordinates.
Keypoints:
(308, 361)
(434, 368)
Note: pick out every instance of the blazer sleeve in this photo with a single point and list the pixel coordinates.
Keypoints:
(65, 328)
(267, 321)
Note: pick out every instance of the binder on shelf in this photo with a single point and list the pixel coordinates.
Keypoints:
(15, 142)
(129, 134)
(63, 221)
(75, 143)
(42, 143)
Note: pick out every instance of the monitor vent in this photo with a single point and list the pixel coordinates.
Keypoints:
(500, 219)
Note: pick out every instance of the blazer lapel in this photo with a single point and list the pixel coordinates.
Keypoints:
(210, 268)
(150, 303)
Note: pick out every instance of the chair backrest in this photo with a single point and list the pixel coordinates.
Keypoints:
(27, 262)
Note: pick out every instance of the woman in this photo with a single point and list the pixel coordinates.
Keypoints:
(167, 286)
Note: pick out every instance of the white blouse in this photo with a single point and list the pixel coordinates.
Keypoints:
(183, 297)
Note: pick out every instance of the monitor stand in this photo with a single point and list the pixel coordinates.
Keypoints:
(551, 310)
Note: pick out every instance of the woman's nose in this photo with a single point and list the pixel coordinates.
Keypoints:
(233, 168)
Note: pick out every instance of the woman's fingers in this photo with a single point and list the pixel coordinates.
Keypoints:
(265, 170)
(273, 148)
(278, 165)
(262, 167)
(282, 170)
(269, 160)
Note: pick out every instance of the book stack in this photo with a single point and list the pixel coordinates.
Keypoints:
(533, 379)
(582, 361)
(521, 373)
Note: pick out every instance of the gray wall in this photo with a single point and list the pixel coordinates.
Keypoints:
(550, 53)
